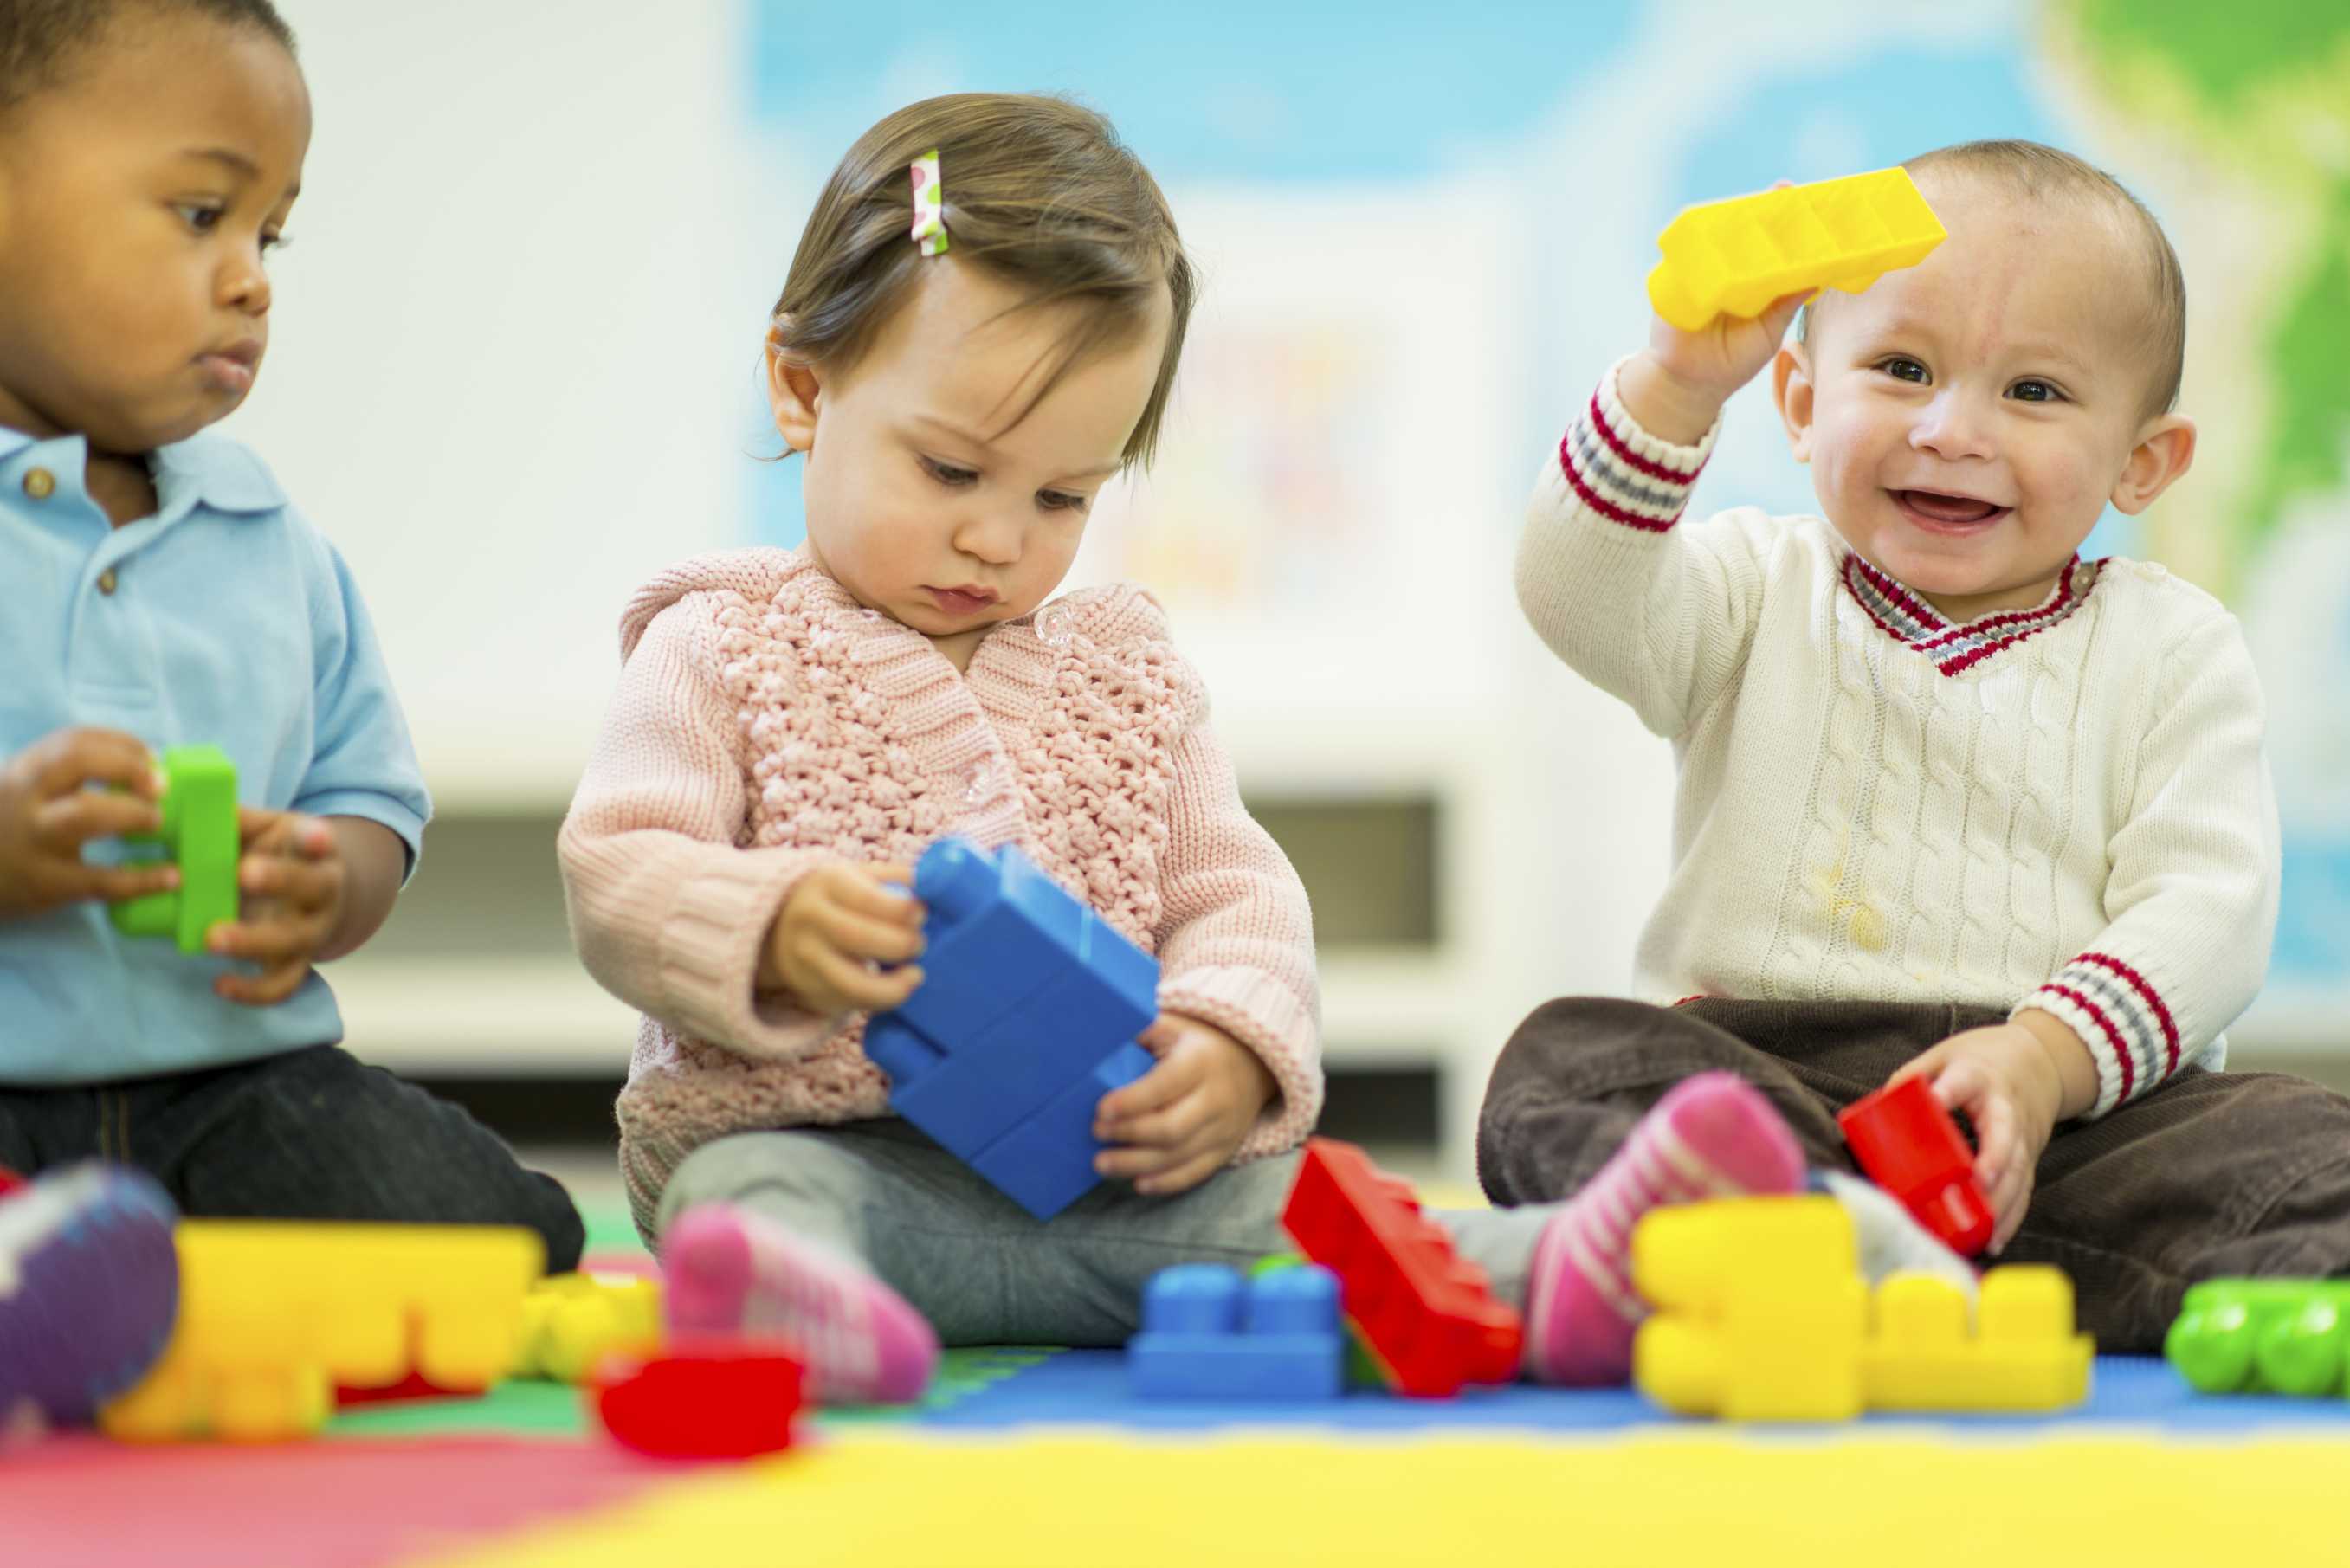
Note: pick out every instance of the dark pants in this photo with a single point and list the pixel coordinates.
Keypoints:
(310, 1135)
(2212, 1174)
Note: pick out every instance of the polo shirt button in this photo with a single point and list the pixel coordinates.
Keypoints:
(40, 483)
(106, 581)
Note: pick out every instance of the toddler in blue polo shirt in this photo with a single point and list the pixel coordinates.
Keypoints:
(157, 589)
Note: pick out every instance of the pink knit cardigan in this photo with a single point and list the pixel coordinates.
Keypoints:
(766, 723)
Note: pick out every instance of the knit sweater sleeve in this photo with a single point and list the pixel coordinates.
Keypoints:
(666, 911)
(1654, 612)
(2192, 895)
(1236, 939)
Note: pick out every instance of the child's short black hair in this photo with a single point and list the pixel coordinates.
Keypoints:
(40, 38)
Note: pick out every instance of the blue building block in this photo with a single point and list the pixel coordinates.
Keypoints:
(1025, 1018)
(1207, 1333)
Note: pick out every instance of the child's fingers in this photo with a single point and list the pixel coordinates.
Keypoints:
(274, 939)
(63, 825)
(862, 989)
(270, 986)
(1183, 1178)
(860, 936)
(1136, 1162)
(1995, 1138)
(868, 893)
(304, 884)
(79, 757)
(1169, 1082)
(1172, 1126)
(114, 884)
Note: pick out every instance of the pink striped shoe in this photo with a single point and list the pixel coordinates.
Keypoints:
(1713, 1135)
(732, 1272)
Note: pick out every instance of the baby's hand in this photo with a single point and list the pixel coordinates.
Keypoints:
(831, 937)
(1676, 387)
(1177, 1124)
(47, 812)
(290, 880)
(2006, 1080)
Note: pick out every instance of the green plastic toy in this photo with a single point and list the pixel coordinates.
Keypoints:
(2263, 1337)
(199, 836)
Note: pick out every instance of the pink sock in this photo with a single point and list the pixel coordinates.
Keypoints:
(730, 1271)
(1715, 1136)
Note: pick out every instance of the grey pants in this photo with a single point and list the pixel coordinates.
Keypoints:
(2212, 1174)
(982, 1271)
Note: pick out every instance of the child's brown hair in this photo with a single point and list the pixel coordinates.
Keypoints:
(1039, 190)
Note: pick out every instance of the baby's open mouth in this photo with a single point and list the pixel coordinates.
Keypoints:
(1952, 511)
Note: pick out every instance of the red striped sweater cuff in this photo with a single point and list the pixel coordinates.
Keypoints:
(2123, 1020)
(1624, 474)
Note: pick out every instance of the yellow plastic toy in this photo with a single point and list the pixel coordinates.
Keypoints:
(273, 1316)
(1762, 1316)
(1735, 257)
(571, 1322)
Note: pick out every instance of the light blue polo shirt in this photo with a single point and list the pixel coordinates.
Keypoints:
(225, 618)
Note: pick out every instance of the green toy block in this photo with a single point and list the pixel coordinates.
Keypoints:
(2263, 1337)
(199, 836)
(1363, 1367)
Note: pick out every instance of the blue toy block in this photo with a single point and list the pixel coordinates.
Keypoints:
(1207, 1333)
(1025, 1018)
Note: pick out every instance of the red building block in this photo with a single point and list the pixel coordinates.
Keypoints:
(1425, 1312)
(709, 1398)
(1909, 1146)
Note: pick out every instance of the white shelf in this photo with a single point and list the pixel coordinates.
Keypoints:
(512, 1018)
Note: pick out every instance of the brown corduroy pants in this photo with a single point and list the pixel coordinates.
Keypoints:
(2212, 1174)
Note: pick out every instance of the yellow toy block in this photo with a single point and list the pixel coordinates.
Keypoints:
(2023, 1354)
(274, 1316)
(1759, 1313)
(1762, 1316)
(571, 1322)
(1735, 257)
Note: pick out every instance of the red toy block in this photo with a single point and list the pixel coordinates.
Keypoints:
(703, 1398)
(1425, 1312)
(1910, 1147)
(10, 1182)
(415, 1386)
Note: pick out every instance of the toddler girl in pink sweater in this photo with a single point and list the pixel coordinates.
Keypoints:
(979, 331)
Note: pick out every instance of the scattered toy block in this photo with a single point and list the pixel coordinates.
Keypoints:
(1207, 1334)
(2263, 1337)
(702, 1398)
(198, 836)
(1426, 1313)
(1734, 257)
(1026, 1016)
(571, 1322)
(1909, 1146)
(274, 1316)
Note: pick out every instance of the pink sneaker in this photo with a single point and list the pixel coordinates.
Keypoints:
(730, 1271)
(1715, 1136)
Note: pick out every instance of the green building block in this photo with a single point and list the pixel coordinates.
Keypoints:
(199, 836)
(2263, 1337)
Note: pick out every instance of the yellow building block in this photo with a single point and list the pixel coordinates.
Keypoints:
(2023, 1353)
(1762, 1316)
(1760, 1310)
(274, 1316)
(1735, 257)
(570, 1322)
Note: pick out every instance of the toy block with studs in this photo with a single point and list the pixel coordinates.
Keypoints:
(1426, 1313)
(1734, 257)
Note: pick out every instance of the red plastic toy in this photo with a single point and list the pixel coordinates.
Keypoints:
(709, 1398)
(1910, 1147)
(10, 1182)
(1425, 1312)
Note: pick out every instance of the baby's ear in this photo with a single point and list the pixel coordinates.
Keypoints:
(794, 391)
(2165, 449)
(1790, 388)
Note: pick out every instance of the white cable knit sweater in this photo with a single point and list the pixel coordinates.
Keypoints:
(2064, 807)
